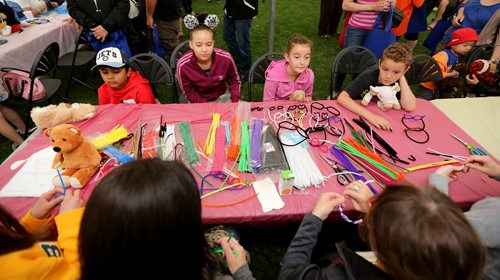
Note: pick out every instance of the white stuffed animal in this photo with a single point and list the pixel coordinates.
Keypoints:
(386, 97)
(52, 115)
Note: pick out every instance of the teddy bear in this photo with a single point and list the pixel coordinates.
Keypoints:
(386, 97)
(75, 154)
(298, 96)
(52, 115)
(481, 69)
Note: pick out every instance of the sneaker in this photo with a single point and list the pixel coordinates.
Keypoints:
(29, 131)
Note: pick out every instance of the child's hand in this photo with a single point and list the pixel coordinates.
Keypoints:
(483, 164)
(235, 254)
(471, 79)
(379, 122)
(359, 194)
(71, 201)
(449, 171)
(326, 204)
(46, 203)
(453, 74)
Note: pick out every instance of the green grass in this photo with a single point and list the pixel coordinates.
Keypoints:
(267, 247)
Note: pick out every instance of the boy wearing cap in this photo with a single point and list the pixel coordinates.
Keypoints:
(121, 84)
(461, 43)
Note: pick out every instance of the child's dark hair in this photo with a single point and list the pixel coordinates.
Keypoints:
(14, 237)
(143, 219)
(398, 52)
(298, 39)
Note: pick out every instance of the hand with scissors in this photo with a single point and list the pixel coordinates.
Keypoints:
(359, 194)
(472, 149)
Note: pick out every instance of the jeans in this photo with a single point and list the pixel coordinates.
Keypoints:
(237, 37)
(353, 37)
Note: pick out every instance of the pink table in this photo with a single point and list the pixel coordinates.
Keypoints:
(22, 48)
(470, 188)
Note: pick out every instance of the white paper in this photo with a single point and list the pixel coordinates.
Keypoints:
(268, 195)
(28, 14)
(34, 178)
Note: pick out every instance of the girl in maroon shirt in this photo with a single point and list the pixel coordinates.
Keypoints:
(206, 73)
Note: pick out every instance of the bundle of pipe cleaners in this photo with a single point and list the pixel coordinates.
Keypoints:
(304, 167)
(373, 165)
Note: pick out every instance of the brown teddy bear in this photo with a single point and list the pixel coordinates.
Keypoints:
(298, 96)
(75, 154)
(52, 115)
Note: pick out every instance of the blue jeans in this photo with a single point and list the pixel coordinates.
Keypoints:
(353, 37)
(237, 37)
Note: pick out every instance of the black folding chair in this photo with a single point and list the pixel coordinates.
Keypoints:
(77, 58)
(44, 65)
(177, 53)
(423, 69)
(257, 73)
(481, 52)
(155, 69)
(351, 60)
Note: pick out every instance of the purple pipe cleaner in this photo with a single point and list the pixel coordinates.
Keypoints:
(337, 153)
(256, 139)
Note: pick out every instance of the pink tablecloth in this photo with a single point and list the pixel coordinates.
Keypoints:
(22, 48)
(470, 188)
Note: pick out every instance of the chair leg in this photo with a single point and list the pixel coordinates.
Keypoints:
(175, 97)
(249, 92)
(27, 123)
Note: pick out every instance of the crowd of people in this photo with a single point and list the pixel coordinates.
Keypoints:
(144, 201)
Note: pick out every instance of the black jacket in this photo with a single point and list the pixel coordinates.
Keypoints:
(296, 263)
(111, 14)
(241, 9)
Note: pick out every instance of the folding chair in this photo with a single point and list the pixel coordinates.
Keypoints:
(481, 52)
(257, 73)
(154, 69)
(177, 53)
(79, 57)
(423, 69)
(44, 64)
(351, 60)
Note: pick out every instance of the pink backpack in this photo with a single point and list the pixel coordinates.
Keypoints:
(18, 83)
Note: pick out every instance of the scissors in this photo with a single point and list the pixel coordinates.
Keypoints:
(472, 149)
(344, 178)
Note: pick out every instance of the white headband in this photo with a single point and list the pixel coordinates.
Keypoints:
(211, 21)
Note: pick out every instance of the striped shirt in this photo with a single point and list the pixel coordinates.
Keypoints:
(365, 19)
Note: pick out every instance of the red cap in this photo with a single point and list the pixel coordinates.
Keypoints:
(461, 36)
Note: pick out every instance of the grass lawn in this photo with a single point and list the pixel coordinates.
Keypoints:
(292, 16)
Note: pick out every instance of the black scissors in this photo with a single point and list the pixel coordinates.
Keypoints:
(163, 127)
(344, 178)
